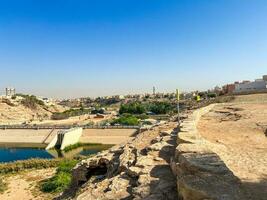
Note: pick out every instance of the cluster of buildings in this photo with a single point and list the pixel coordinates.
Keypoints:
(258, 85)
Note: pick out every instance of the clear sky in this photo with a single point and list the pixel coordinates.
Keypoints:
(73, 48)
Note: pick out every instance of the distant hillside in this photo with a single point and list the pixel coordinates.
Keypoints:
(24, 110)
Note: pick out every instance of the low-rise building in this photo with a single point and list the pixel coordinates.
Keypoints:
(10, 92)
(229, 89)
(255, 86)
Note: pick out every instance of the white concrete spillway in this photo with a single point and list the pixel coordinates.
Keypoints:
(64, 138)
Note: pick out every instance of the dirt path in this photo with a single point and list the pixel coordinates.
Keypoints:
(24, 185)
(237, 134)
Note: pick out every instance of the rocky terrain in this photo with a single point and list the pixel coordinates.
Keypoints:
(169, 162)
(236, 133)
(138, 169)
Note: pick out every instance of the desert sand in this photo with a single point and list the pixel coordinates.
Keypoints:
(24, 186)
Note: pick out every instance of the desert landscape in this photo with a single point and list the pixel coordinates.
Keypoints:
(236, 132)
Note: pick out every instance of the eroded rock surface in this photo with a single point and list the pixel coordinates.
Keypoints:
(201, 174)
(138, 169)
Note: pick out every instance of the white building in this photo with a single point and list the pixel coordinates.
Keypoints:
(255, 86)
(10, 92)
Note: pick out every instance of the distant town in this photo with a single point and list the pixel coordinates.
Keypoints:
(238, 87)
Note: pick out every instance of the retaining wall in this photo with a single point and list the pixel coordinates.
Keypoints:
(201, 174)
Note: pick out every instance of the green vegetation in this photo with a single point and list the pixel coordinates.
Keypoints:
(126, 119)
(70, 113)
(132, 108)
(62, 178)
(160, 107)
(31, 101)
(154, 107)
(17, 166)
(77, 145)
(212, 95)
(3, 186)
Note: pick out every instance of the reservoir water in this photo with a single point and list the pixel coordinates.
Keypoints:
(15, 152)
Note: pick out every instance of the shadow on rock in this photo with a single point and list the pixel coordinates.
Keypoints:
(256, 190)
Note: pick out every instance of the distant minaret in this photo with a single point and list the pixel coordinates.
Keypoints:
(154, 90)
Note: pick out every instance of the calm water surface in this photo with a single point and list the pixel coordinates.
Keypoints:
(11, 153)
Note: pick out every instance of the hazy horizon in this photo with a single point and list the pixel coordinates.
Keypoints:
(68, 49)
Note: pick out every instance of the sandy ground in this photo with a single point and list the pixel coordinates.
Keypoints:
(236, 132)
(18, 114)
(77, 120)
(24, 186)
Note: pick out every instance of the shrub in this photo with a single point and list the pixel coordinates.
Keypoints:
(57, 184)
(3, 186)
(160, 107)
(132, 108)
(62, 178)
(30, 101)
(126, 119)
(69, 113)
(212, 95)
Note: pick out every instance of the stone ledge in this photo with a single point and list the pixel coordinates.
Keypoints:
(201, 174)
(188, 137)
(191, 148)
(206, 187)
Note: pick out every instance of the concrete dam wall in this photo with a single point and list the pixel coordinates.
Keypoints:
(48, 137)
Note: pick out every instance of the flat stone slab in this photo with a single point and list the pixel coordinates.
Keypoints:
(191, 148)
(207, 162)
(187, 137)
(208, 187)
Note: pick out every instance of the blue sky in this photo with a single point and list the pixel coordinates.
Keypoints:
(72, 48)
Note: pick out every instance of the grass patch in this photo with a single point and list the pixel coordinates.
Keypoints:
(17, 166)
(62, 178)
(77, 145)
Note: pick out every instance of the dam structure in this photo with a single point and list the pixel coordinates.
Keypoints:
(51, 136)
(65, 138)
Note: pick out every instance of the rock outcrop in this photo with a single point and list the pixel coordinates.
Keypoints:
(138, 169)
(164, 163)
